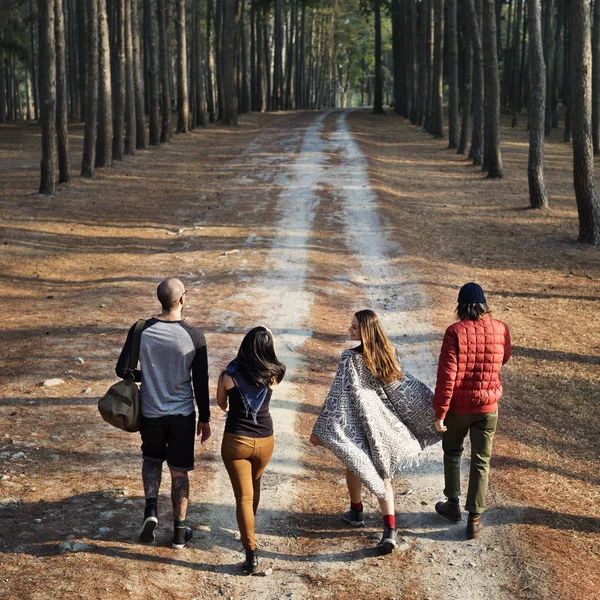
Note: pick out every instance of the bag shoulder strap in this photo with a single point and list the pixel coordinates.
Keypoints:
(135, 347)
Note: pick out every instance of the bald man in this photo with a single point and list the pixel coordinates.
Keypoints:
(173, 371)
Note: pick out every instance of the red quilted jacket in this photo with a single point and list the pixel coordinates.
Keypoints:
(468, 379)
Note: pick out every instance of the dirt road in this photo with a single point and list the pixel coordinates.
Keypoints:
(278, 224)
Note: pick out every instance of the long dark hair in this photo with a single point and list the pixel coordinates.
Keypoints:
(378, 352)
(474, 311)
(257, 360)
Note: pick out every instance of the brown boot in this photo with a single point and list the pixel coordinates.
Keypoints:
(474, 527)
(449, 510)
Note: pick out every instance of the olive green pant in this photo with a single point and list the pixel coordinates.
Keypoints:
(481, 430)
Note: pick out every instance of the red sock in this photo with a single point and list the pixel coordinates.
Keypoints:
(389, 521)
(357, 506)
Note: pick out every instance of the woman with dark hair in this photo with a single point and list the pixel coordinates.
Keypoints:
(376, 419)
(466, 401)
(244, 392)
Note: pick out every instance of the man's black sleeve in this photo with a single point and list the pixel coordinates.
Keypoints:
(122, 369)
(200, 375)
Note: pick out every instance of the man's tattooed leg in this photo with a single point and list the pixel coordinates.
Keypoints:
(180, 493)
(151, 475)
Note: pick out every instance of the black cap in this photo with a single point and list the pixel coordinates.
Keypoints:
(471, 293)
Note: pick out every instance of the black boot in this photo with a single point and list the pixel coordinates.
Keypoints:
(251, 563)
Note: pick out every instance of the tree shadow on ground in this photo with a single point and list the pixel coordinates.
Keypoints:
(436, 529)
(80, 517)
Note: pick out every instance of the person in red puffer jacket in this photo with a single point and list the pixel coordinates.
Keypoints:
(466, 399)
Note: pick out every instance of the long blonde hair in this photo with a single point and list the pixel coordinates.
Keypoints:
(378, 352)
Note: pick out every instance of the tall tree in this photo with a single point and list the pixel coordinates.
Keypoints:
(118, 81)
(492, 158)
(33, 61)
(538, 197)
(476, 150)
(91, 104)
(130, 123)
(378, 97)
(62, 111)
(165, 96)
(588, 205)
(548, 60)
(199, 101)
(453, 80)
(437, 92)
(104, 140)
(151, 35)
(466, 88)
(183, 118)
(230, 26)
(141, 140)
(210, 67)
(47, 97)
(596, 78)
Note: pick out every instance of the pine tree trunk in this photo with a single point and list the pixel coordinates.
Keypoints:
(73, 65)
(260, 67)
(267, 60)
(253, 72)
(555, 66)
(151, 35)
(596, 78)
(230, 25)
(33, 59)
(429, 64)
(141, 140)
(130, 123)
(548, 60)
(422, 69)
(3, 115)
(378, 99)
(399, 75)
(588, 205)
(62, 130)
(244, 59)
(219, 43)
(48, 97)
(105, 118)
(165, 94)
(453, 79)
(467, 90)
(413, 62)
(476, 150)
(91, 103)
(515, 88)
(83, 53)
(199, 117)
(118, 92)
(210, 58)
(182, 83)
(538, 197)
(492, 157)
(437, 93)
(566, 75)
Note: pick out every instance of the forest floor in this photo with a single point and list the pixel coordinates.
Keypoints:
(294, 220)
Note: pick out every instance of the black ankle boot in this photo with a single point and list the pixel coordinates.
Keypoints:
(251, 563)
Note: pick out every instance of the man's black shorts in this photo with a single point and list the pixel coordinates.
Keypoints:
(170, 438)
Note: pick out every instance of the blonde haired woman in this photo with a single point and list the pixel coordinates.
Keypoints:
(376, 419)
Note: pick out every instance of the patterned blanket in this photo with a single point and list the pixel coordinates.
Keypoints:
(375, 429)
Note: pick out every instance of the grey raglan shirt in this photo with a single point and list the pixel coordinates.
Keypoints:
(172, 357)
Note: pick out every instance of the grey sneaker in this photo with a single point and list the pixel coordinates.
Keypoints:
(356, 518)
(387, 543)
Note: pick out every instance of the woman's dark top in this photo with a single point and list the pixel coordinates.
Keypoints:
(240, 422)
